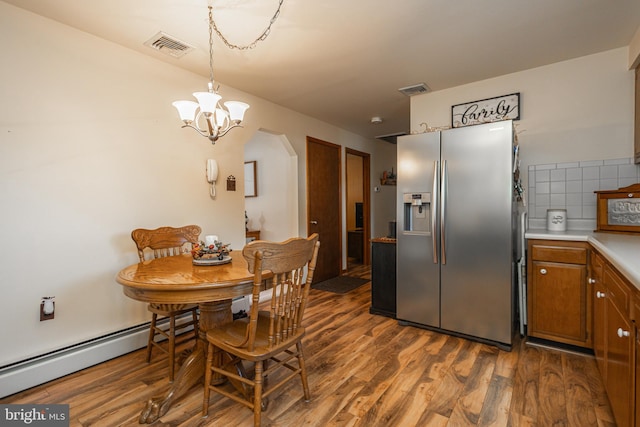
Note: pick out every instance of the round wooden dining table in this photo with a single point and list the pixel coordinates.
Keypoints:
(175, 280)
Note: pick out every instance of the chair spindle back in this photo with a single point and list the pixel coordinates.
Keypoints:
(289, 284)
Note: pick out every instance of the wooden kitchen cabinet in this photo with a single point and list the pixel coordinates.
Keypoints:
(619, 384)
(558, 297)
(636, 318)
(596, 272)
(619, 346)
(614, 340)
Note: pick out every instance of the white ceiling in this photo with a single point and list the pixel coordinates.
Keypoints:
(342, 61)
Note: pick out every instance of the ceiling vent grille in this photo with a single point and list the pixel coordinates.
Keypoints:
(415, 89)
(169, 45)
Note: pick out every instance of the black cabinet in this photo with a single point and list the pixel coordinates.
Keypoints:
(383, 277)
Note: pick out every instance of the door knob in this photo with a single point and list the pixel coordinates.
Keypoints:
(543, 271)
(314, 222)
(622, 333)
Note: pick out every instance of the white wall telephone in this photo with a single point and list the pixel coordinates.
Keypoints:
(212, 175)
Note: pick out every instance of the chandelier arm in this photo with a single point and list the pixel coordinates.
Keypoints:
(196, 129)
(225, 131)
(213, 136)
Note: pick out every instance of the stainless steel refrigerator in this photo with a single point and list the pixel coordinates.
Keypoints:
(455, 233)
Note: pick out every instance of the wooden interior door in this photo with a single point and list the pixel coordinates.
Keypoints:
(323, 205)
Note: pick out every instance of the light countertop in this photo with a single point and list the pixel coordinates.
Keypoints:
(621, 250)
(572, 235)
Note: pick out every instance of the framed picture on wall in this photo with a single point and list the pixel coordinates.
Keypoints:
(250, 179)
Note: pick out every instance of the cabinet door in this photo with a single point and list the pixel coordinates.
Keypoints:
(619, 364)
(383, 279)
(599, 303)
(599, 325)
(559, 303)
(637, 399)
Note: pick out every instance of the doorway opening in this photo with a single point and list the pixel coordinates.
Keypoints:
(357, 208)
(272, 211)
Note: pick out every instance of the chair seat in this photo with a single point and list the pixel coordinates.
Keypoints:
(229, 336)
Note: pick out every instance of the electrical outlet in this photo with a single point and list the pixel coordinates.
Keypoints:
(47, 308)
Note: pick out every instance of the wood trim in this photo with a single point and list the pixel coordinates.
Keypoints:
(637, 118)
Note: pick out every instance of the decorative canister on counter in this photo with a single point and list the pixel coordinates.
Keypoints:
(556, 219)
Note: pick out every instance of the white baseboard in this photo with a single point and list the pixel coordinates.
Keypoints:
(39, 370)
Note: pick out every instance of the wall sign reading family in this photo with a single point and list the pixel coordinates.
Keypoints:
(505, 107)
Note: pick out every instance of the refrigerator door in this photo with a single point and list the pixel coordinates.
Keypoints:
(418, 273)
(476, 280)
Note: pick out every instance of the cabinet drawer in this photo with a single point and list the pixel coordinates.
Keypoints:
(617, 290)
(562, 254)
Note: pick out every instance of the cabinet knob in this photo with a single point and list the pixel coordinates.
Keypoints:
(622, 333)
(591, 281)
(314, 222)
(543, 271)
(600, 294)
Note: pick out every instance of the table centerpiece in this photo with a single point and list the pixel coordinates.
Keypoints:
(215, 253)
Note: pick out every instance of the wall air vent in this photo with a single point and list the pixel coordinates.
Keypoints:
(415, 89)
(392, 137)
(169, 45)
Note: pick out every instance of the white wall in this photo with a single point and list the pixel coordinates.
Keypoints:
(275, 210)
(91, 148)
(384, 200)
(574, 110)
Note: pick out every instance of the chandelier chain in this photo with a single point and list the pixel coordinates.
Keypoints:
(251, 45)
(211, 24)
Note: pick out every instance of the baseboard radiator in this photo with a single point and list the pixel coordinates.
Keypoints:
(20, 376)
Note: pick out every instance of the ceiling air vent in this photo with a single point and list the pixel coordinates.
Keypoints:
(414, 89)
(169, 45)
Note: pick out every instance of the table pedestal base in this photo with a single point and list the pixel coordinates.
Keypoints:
(191, 372)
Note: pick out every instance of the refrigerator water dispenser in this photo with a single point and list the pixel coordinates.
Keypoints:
(417, 212)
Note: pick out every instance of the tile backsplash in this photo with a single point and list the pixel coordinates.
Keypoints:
(571, 186)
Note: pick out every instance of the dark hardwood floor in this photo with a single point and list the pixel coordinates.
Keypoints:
(364, 370)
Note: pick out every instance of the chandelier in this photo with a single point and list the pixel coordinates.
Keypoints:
(207, 116)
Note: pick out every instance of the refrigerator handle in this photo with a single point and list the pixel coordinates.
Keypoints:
(434, 210)
(443, 203)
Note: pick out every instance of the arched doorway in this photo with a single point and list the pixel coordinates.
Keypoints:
(274, 210)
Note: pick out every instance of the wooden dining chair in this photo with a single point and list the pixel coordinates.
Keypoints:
(158, 243)
(273, 336)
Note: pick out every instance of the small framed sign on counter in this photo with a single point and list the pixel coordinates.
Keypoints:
(619, 210)
(506, 107)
